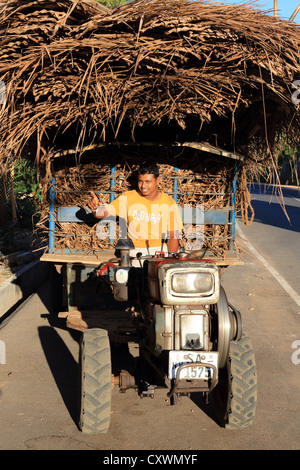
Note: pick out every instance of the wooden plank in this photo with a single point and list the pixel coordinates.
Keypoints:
(69, 214)
(195, 215)
(229, 258)
(91, 259)
(118, 323)
(211, 216)
(189, 215)
(216, 217)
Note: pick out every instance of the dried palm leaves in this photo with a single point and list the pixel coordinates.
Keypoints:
(77, 73)
(208, 185)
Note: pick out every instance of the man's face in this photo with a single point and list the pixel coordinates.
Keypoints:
(148, 185)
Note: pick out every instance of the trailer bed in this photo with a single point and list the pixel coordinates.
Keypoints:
(229, 258)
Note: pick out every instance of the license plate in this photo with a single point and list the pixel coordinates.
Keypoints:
(199, 371)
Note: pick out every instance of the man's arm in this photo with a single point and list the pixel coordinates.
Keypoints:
(99, 211)
(173, 242)
(175, 229)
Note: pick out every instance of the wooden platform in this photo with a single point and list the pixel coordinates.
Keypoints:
(119, 324)
(230, 258)
(89, 259)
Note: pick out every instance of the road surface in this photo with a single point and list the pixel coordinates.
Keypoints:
(275, 231)
(39, 377)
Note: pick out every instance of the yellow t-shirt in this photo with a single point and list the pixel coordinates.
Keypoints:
(147, 220)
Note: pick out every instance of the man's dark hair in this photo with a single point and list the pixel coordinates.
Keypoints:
(148, 168)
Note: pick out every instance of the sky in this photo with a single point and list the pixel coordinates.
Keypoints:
(285, 7)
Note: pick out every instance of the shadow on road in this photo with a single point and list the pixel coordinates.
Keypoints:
(207, 408)
(63, 366)
(273, 214)
(270, 210)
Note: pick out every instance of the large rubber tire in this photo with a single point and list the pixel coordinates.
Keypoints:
(235, 396)
(95, 381)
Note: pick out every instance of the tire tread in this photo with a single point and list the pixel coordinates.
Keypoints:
(95, 406)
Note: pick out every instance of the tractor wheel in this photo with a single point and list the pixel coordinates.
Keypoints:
(95, 381)
(234, 398)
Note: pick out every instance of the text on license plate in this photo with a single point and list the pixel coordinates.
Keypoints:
(199, 371)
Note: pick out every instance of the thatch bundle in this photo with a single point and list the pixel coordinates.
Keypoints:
(208, 185)
(78, 75)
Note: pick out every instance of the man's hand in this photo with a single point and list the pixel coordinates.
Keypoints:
(99, 211)
(94, 202)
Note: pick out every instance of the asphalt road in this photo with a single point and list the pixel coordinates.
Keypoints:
(38, 380)
(275, 231)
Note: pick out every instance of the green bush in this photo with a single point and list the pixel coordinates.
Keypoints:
(27, 193)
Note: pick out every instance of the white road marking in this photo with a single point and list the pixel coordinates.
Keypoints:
(284, 284)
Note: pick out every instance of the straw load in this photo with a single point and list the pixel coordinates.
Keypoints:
(208, 186)
(80, 77)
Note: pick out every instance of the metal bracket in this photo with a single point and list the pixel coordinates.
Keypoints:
(213, 381)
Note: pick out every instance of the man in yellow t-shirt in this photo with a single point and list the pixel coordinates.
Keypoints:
(150, 214)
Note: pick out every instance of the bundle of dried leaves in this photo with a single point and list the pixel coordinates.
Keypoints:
(76, 73)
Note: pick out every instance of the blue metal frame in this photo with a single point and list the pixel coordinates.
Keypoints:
(175, 185)
(211, 216)
(232, 212)
(226, 216)
(52, 215)
(111, 198)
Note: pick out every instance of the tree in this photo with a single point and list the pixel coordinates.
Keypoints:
(3, 198)
(113, 3)
(289, 160)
